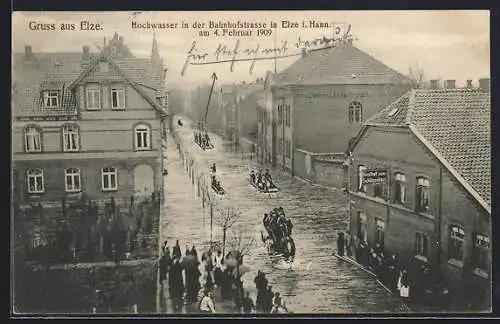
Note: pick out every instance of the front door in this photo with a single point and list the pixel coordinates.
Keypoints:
(143, 180)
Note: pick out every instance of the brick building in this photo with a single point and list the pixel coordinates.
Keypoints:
(420, 186)
(320, 101)
(87, 127)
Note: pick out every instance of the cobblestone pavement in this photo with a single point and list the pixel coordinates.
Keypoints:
(318, 282)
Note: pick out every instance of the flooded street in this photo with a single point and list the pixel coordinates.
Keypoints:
(319, 282)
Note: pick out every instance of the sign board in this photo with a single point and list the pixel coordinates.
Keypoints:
(374, 176)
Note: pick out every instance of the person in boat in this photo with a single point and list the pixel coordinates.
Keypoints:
(282, 225)
(259, 180)
(252, 176)
(289, 226)
(267, 177)
(281, 212)
(213, 168)
(265, 220)
(214, 180)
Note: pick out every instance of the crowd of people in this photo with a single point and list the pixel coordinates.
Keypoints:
(418, 286)
(279, 229)
(202, 139)
(262, 180)
(195, 280)
(267, 301)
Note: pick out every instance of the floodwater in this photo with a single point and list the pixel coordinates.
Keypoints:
(317, 282)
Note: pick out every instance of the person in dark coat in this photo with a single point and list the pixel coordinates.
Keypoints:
(340, 244)
(176, 251)
(268, 299)
(188, 251)
(392, 273)
(176, 284)
(194, 252)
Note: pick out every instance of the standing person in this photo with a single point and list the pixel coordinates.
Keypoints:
(268, 300)
(340, 244)
(176, 251)
(176, 285)
(207, 304)
(404, 286)
(348, 244)
(247, 305)
(278, 305)
(194, 252)
(352, 244)
(188, 251)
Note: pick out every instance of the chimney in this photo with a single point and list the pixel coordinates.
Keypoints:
(484, 84)
(85, 57)
(450, 84)
(304, 52)
(434, 84)
(469, 84)
(28, 52)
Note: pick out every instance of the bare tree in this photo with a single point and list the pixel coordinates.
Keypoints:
(417, 76)
(241, 244)
(228, 217)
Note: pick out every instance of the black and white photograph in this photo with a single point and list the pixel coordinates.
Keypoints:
(250, 163)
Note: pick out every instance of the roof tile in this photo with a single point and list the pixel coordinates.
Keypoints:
(456, 122)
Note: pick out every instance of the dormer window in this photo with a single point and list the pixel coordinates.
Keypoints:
(50, 99)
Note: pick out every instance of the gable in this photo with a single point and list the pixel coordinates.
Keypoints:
(99, 72)
(394, 144)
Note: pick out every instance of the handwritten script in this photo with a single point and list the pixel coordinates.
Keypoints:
(240, 53)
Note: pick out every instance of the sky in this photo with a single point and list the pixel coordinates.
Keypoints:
(444, 44)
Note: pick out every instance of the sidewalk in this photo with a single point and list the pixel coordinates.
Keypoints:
(360, 266)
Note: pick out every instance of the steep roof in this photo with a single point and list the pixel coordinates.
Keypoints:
(455, 125)
(59, 71)
(342, 64)
(30, 76)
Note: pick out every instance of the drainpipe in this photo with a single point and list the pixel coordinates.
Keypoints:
(439, 223)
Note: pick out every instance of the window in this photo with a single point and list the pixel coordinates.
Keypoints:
(355, 112)
(50, 99)
(72, 177)
(361, 172)
(379, 232)
(421, 245)
(456, 242)
(480, 253)
(362, 226)
(35, 181)
(379, 190)
(70, 138)
(93, 98)
(32, 139)
(288, 148)
(422, 201)
(287, 115)
(400, 188)
(280, 146)
(109, 179)
(280, 114)
(142, 137)
(117, 98)
(36, 240)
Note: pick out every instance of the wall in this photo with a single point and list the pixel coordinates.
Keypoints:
(324, 109)
(398, 150)
(300, 164)
(328, 173)
(90, 175)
